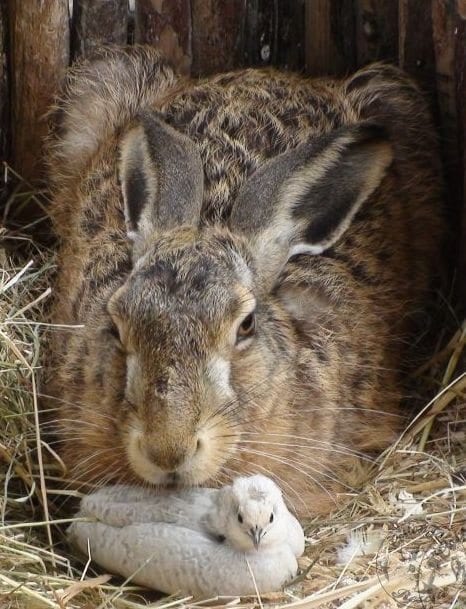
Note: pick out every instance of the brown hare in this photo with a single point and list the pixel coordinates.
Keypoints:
(241, 256)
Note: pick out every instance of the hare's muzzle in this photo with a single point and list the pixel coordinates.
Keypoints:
(171, 457)
(165, 458)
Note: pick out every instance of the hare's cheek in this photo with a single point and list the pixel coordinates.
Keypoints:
(140, 464)
(219, 378)
(133, 379)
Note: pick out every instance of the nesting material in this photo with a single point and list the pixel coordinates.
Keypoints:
(421, 558)
(359, 542)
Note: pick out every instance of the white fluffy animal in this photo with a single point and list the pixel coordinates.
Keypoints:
(204, 542)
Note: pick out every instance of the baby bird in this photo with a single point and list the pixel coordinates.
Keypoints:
(203, 542)
(251, 513)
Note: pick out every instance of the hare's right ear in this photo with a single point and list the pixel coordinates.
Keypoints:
(302, 201)
(162, 179)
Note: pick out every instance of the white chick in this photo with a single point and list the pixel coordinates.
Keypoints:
(251, 514)
(203, 542)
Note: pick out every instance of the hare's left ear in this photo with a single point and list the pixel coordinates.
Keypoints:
(302, 201)
(161, 177)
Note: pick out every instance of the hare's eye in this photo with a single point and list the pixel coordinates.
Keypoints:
(271, 517)
(240, 519)
(247, 327)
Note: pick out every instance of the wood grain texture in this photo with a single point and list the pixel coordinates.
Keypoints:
(416, 46)
(166, 25)
(215, 35)
(289, 52)
(443, 22)
(4, 88)
(330, 37)
(449, 46)
(444, 26)
(460, 80)
(291, 46)
(39, 46)
(272, 33)
(259, 34)
(376, 31)
(96, 23)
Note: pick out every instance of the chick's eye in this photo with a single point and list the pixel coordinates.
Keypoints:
(247, 327)
(240, 519)
(271, 517)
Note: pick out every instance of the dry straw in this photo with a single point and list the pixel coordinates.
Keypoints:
(400, 542)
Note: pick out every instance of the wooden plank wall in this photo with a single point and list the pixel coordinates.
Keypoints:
(38, 56)
(166, 25)
(4, 86)
(97, 23)
(425, 37)
(200, 37)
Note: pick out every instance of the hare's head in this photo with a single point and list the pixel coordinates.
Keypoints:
(210, 345)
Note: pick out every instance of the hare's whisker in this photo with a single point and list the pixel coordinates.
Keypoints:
(330, 449)
(298, 469)
(309, 439)
(290, 460)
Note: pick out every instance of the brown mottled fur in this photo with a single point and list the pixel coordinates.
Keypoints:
(323, 386)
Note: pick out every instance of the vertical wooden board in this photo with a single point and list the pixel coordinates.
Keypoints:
(290, 50)
(272, 33)
(460, 78)
(330, 37)
(444, 25)
(448, 35)
(258, 36)
(39, 55)
(416, 46)
(376, 30)
(4, 89)
(216, 28)
(96, 23)
(166, 25)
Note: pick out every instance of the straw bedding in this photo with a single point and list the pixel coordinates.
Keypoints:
(400, 542)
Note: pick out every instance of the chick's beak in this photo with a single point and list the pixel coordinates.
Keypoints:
(256, 537)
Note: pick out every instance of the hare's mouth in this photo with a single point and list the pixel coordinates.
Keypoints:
(176, 481)
(172, 481)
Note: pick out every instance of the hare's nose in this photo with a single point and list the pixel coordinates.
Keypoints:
(172, 456)
(169, 459)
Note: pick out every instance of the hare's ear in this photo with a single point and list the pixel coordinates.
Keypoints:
(302, 201)
(161, 177)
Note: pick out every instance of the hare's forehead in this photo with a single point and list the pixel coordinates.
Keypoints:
(193, 278)
(199, 258)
